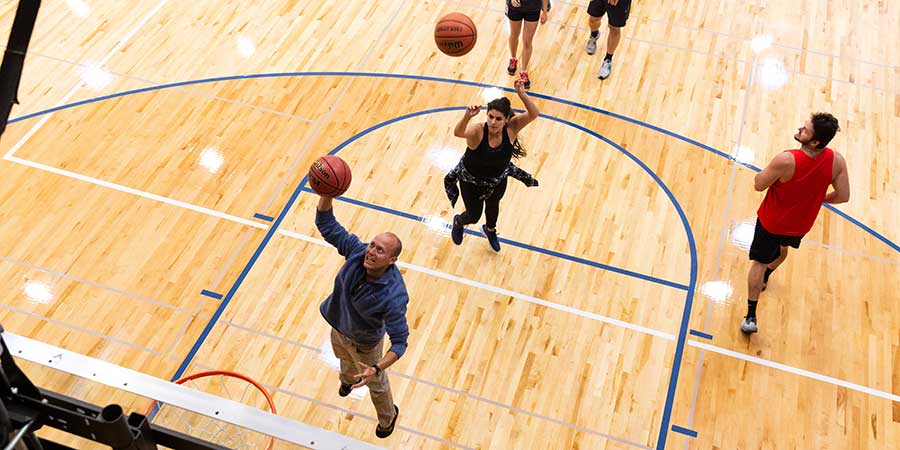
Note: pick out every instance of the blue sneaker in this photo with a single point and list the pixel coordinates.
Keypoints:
(492, 238)
(457, 232)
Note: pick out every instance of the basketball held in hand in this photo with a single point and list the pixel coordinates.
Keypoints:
(329, 176)
(455, 34)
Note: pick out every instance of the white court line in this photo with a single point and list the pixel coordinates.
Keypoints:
(119, 187)
(796, 371)
(449, 389)
(435, 273)
(180, 89)
(472, 283)
(505, 292)
(538, 301)
(83, 330)
(75, 89)
(720, 248)
(66, 276)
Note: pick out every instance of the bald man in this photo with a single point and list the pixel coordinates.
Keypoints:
(369, 298)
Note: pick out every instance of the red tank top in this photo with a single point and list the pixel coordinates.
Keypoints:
(790, 209)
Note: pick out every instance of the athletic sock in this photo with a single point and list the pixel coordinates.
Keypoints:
(751, 308)
(608, 57)
(595, 33)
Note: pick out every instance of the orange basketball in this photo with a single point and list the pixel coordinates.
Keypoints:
(455, 34)
(329, 176)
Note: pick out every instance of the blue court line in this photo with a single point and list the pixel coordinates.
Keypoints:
(265, 241)
(439, 80)
(684, 431)
(512, 243)
(701, 334)
(689, 300)
(685, 318)
(212, 294)
(863, 226)
(263, 217)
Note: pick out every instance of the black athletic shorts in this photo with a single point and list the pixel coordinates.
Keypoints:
(766, 247)
(618, 14)
(530, 11)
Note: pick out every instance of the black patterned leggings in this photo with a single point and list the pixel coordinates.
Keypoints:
(474, 206)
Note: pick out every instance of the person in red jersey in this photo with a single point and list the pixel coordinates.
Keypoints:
(797, 183)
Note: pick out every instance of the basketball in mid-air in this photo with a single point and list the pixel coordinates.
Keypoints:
(455, 34)
(329, 176)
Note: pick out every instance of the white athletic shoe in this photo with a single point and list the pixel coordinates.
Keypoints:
(748, 325)
(605, 69)
(591, 46)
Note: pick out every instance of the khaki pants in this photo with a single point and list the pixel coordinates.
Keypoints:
(379, 387)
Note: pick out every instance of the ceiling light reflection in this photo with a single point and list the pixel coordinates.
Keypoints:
(245, 46)
(760, 42)
(772, 74)
(444, 158)
(437, 225)
(717, 291)
(744, 154)
(211, 159)
(95, 77)
(79, 7)
(742, 234)
(491, 93)
(38, 292)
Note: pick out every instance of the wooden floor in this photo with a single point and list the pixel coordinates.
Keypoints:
(570, 336)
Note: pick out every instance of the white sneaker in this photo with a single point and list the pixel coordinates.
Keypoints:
(605, 69)
(748, 325)
(591, 46)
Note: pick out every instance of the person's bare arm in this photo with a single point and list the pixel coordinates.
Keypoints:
(471, 132)
(532, 112)
(779, 167)
(840, 181)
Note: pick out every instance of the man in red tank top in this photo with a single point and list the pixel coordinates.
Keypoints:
(797, 182)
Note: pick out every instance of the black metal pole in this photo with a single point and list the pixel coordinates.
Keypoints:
(14, 57)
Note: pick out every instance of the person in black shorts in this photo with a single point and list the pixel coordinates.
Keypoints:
(618, 15)
(766, 247)
(523, 18)
(796, 183)
(485, 166)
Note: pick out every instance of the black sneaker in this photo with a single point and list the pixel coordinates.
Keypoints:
(492, 238)
(385, 432)
(345, 389)
(457, 232)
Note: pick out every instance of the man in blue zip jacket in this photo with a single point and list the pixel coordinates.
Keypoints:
(369, 298)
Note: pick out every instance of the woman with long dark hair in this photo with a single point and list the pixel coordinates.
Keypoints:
(483, 169)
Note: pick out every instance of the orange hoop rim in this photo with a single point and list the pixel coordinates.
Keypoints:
(227, 373)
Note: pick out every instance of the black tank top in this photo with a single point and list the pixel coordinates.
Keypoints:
(486, 161)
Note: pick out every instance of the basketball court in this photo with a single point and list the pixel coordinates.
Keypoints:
(156, 219)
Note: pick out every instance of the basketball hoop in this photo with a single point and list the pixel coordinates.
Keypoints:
(225, 384)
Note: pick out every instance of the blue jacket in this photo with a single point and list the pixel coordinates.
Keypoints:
(359, 309)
